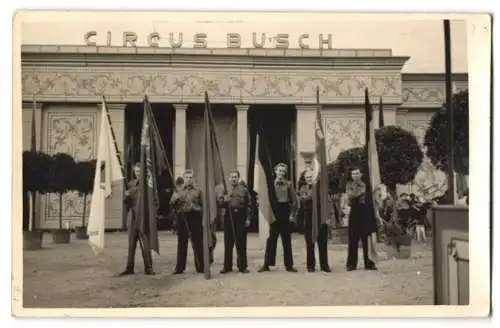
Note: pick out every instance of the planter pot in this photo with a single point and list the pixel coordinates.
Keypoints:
(62, 236)
(32, 240)
(404, 249)
(339, 236)
(81, 233)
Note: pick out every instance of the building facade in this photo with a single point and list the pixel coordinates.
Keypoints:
(64, 85)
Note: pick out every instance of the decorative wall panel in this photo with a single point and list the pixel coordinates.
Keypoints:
(343, 130)
(70, 130)
(223, 85)
(429, 181)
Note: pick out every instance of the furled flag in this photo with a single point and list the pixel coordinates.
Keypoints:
(153, 162)
(380, 114)
(208, 184)
(320, 190)
(266, 216)
(107, 175)
(374, 179)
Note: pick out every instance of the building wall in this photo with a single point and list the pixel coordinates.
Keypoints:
(73, 129)
(235, 79)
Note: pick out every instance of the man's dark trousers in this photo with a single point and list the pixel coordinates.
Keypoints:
(310, 244)
(235, 234)
(281, 227)
(136, 236)
(355, 234)
(189, 223)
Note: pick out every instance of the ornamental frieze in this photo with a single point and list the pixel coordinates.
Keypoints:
(227, 86)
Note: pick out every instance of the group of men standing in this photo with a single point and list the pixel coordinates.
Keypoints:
(235, 203)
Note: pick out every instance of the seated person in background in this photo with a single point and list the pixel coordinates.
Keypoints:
(419, 214)
(403, 211)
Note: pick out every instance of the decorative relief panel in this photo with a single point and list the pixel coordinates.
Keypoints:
(74, 133)
(223, 85)
(429, 181)
(423, 94)
(343, 132)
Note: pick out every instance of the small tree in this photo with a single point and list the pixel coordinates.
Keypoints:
(35, 178)
(399, 156)
(436, 139)
(84, 182)
(62, 178)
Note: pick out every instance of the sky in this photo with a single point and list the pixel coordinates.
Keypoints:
(421, 39)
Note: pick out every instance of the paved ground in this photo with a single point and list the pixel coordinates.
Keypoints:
(71, 276)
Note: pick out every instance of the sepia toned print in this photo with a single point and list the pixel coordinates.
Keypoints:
(194, 163)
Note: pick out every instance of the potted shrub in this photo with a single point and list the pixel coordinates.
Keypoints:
(35, 180)
(84, 183)
(62, 175)
(398, 237)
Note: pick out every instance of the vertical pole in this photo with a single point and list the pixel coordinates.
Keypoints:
(449, 110)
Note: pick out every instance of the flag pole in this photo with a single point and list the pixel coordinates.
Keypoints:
(449, 110)
(206, 207)
(113, 136)
(216, 143)
(380, 114)
(32, 195)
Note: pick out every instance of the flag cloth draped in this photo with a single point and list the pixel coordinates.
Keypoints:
(374, 177)
(320, 190)
(265, 214)
(108, 171)
(153, 162)
(208, 184)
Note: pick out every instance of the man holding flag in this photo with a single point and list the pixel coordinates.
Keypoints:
(321, 228)
(153, 162)
(314, 198)
(108, 173)
(362, 217)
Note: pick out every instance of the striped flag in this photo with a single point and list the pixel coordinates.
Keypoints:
(320, 190)
(153, 162)
(108, 173)
(374, 177)
(265, 215)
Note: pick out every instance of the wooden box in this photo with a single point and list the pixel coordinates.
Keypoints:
(450, 225)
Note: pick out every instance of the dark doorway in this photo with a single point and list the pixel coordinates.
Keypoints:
(276, 126)
(165, 119)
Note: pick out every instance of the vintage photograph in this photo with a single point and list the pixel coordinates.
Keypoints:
(177, 160)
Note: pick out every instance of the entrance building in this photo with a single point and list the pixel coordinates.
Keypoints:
(273, 85)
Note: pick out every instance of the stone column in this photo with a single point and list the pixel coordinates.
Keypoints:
(116, 215)
(27, 113)
(27, 117)
(180, 139)
(306, 114)
(242, 139)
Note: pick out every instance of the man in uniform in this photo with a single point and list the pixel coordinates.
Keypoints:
(134, 234)
(188, 204)
(236, 221)
(361, 224)
(285, 211)
(306, 212)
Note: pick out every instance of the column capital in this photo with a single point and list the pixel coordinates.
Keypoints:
(31, 105)
(241, 107)
(180, 106)
(115, 106)
(308, 107)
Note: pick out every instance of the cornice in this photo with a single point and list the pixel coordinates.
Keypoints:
(66, 56)
(433, 77)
